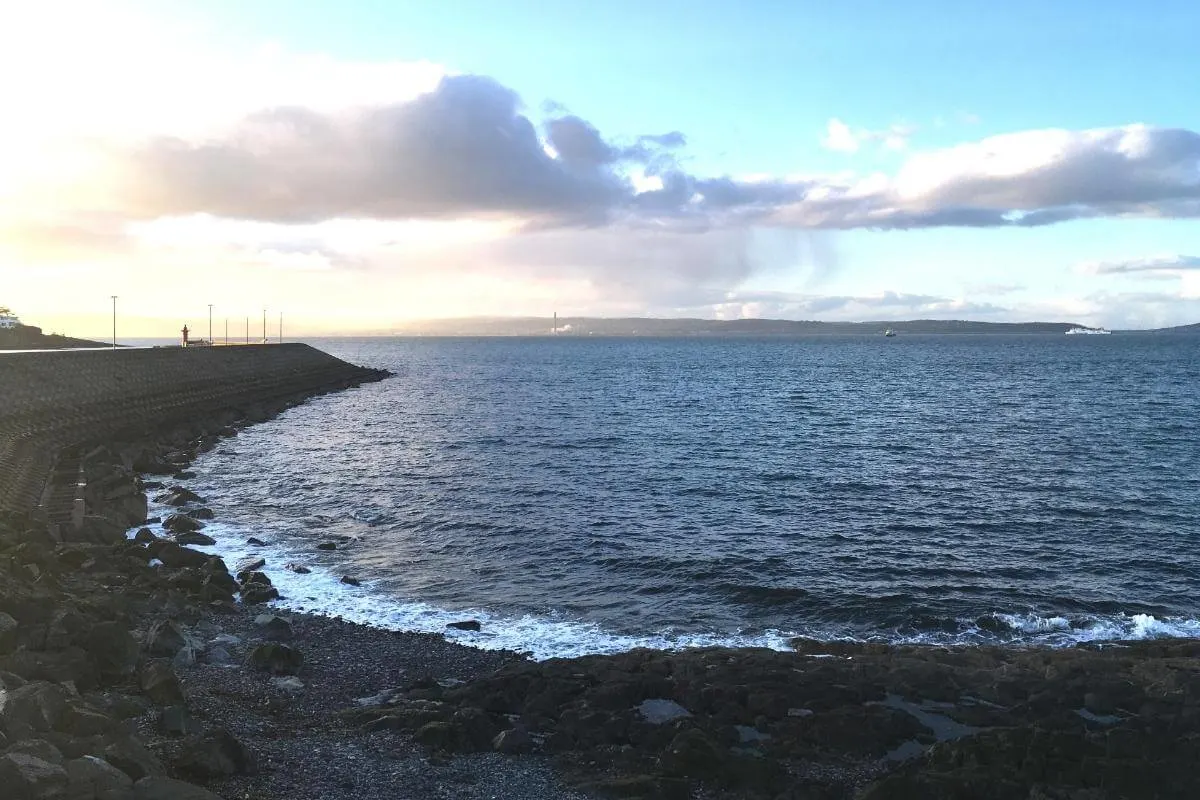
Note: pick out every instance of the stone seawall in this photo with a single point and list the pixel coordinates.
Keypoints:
(56, 407)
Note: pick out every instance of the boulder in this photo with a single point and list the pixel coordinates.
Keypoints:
(177, 721)
(90, 776)
(113, 648)
(195, 538)
(276, 658)
(299, 569)
(35, 707)
(465, 625)
(327, 546)
(155, 788)
(201, 513)
(131, 757)
(511, 741)
(254, 541)
(145, 536)
(26, 777)
(351, 581)
(254, 593)
(160, 683)
(249, 565)
(182, 523)
(8, 633)
(179, 497)
(165, 638)
(274, 628)
(172, 555)
(216, 754)
(38, 748)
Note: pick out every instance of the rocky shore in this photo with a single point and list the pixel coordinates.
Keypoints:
(139, 668)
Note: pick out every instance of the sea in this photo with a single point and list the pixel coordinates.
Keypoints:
(580, 495)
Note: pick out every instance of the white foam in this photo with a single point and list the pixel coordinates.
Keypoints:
(556, 636)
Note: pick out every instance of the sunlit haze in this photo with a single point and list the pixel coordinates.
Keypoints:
(360, 166)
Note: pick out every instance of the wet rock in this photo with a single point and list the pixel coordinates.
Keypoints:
(174, 556)
(437, 735)
(195, 538)
(299, 569)
(327, 546)
(255, 593)
(249, 565)
(145, 536)
(465, 625)
(216, 754)
(131, 757)
(160, 683)
(178, 497)
(274, 628)
(351, 581)
(80, 721)
(181, 523)
(254, 541)
(276, 658)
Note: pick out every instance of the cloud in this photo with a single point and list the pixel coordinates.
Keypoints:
(842, 138)
(1026, 179)
(1154, 264)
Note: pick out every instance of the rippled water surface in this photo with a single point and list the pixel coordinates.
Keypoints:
(582, 494)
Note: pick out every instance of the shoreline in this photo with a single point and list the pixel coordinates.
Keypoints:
(893, 730)
(112, 637)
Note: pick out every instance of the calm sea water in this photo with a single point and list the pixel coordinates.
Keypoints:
(583, 495)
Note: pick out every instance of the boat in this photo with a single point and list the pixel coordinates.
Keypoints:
(1088, 331)
(889, 332)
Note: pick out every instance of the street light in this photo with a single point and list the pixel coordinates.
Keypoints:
(114, 299)
(210, 339)
(264, 326)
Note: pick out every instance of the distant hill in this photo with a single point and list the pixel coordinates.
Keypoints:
(29, 337)
(1193, 329)
(648, 326)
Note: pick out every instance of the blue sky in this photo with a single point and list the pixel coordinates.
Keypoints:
(795, 95)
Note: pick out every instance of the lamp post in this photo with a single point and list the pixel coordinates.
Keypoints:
(264, 326)
(281, 327)
(247, 330)
(114, 299)
(210, 339)
(227, 330)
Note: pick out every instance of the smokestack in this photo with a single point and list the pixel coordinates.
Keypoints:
(555, 323)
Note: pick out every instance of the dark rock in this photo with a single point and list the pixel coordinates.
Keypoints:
(184, 475)
(156, 788)
(174, 556)
(90, 776)
(512, 741)
(177, 721)
(254, 593)
(80, 721)
(201, 513)
(274, 628)
(216, 754)
(179, 496)
(38, 748)
(195, 538)
(131, 757)
(181, 523)
(254, 541)
(692, 754)
(145, 536)
(249, 565)
(160, 683)
(351, 581)
(165, 638)
(465, 625)
(33, 708)
(276, 658)
(25, 777)
(299, 569)
(437, 735)
(8, 633)
(327, 546)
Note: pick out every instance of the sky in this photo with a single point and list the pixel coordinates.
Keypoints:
(360, 165)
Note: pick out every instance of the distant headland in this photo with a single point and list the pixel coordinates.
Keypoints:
(651, 326)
